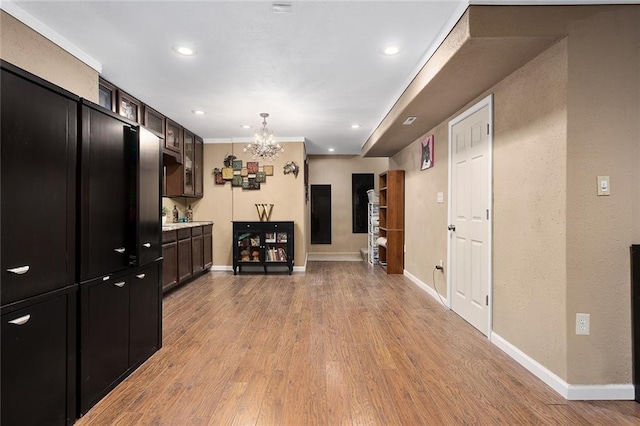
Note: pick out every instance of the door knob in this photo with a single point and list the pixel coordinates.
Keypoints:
(451, 228)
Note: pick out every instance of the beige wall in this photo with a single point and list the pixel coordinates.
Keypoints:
(567, 116)
(336, 171)
(603, 136)
(223, 204)
(27, 49)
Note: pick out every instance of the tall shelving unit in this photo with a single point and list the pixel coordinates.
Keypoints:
(391, 217)
(373, 227)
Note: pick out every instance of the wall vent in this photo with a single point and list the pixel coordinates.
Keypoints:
(409, 121)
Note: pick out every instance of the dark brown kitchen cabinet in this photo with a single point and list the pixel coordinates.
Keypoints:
(129, 107)
(145, 323)
(107, 229)
(197, 258)
(173, 140)
(38, 154)
(149, 201)
(188, 162)
(153, 120)
(207, 242)
(38, 360)
(120, 315)
(170, 259)
(198, 167)
(184, 254)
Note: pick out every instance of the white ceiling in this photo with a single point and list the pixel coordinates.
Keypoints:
(316, 70)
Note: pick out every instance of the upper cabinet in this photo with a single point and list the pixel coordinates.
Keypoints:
(153, 120)
(197, 167)
(188, 162)
(129, 107)
(173, 141)
(107, 95)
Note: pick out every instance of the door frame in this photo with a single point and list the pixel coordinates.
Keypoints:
(487, 101)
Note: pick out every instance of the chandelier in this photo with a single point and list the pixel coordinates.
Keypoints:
(264, 146)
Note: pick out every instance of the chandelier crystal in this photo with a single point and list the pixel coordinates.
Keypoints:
(264, 146)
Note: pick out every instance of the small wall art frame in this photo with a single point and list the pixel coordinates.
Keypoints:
(426, 152)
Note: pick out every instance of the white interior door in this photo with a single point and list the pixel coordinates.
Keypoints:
(469, 215)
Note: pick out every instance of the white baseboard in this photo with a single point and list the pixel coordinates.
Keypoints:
(570, 392)
(429, 290)
(335, 257)
(221, 268)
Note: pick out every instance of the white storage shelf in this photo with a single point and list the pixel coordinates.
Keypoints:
(373, 228)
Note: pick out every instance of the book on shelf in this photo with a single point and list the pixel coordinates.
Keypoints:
(270, 237)
(282, 255)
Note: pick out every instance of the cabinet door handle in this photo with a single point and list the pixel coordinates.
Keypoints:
(120, 250)
(141, 276)
(147, 245)
(21, 320)
(119, 284)
(19, 271)
(106, 278)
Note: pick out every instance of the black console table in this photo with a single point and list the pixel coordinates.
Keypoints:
(262, 244)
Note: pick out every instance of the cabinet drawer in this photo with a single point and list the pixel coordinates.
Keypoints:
(207, 229)
(195, 231)
(184, 233)
(169, 236)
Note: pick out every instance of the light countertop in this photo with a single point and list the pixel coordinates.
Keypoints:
(169, 226)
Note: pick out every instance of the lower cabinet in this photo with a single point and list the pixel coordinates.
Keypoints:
(263, 244)
(187, 253)
(120, 328)
(39, 360)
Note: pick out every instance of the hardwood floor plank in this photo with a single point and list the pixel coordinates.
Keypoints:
(342, 344)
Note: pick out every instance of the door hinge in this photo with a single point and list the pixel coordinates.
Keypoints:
(487, 129)
(487, 214)
(487, 300)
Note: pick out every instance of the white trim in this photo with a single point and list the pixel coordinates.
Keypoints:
(486, 102)
(570, 392)
(427, 289)
(43, 29)
(547, 2)
(335, 257)
(300, 268)
(222, 268)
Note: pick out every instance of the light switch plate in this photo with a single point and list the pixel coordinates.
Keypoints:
(604, 186)
(440, 198)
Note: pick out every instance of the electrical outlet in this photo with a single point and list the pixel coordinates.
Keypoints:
(582, 324)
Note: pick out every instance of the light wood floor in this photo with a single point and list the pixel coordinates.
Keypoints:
(342, 344)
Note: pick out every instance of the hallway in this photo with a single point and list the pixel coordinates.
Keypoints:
(342, 344)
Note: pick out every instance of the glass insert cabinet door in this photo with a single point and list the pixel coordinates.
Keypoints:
(248, 246)
(173, 141)
(187, 162)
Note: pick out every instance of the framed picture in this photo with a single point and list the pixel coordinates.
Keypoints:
(237, 180)
(227, 173)
(268, 170)
(426, 152)
(261, 177)
(253, 184)
(244, 172)
(237, 164)
(252, 167)
(218, 178)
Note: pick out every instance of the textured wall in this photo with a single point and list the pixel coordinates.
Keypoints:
(603, 139)
(336, 171)
(25, 48)
(222, 204)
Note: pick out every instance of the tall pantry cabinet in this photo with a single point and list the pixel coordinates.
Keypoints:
(38, 227)
(81, 240)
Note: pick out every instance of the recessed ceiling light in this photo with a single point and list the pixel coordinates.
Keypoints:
(197, 112)
(184, 50)
(390, 50)
(245, 126)
(355, 126)
(331, 149)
